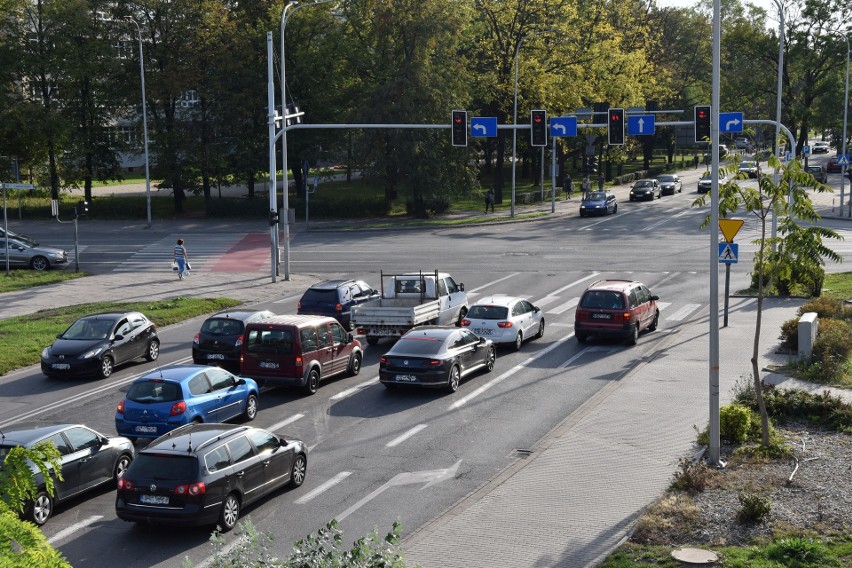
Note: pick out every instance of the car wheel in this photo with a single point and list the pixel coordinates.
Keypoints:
(251, 408)
(615, 209)
(581, 337)
(372, 340)
(540, 333)
(453, 379)
(582, 214)
(41, 508)
(230, 513)
(354, 364)
(312, 382)
(490, 358)
(519, 340)
(655, 322)
(153, 350)
(39, 263)
(121, 466)
(106, 367)
(634, 336)
(300, 469)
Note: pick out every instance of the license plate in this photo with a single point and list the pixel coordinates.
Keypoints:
(602, 316)
(267, 365)
(146, 429)
(382, 331)
(61, 366)
(406, 378)
(154, 499)
(482, 331)
(215, 356)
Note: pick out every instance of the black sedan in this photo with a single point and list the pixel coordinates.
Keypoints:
(645, 189)
(88, 459)
(436, 357)
(94, 345)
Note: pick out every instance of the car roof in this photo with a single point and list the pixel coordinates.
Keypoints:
(192, 437)
(331, 284)
(430, 331)
(296, 320)
(650, 180)
(498, 300)
(614, 285)
(241, 315)
(26, 433)
(177, 373)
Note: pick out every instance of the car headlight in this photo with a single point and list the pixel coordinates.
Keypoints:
(45, 353)
(92, 353)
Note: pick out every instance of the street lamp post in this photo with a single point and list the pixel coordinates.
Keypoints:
(845, 117)
(144, 122)
(778, 105)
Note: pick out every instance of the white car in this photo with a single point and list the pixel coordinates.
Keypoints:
(505, 319)
(749, 168)
(820, 148)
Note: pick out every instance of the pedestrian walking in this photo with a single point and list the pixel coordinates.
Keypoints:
(696, 160)
(489, 200)
(181, 259)
(600, 182)
(569, 186)
(587, 185)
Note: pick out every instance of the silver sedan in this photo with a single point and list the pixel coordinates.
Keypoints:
(35, 257)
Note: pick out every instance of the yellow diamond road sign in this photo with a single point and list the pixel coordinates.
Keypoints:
(730, 228)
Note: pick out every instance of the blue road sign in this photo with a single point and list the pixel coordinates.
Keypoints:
(806, 150)
(640, 124)
(483, 127)
(563, 126)
(728, 253)
(843, 160)
(730, 122)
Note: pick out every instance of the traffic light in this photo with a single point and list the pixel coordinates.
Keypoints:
(459, 128)
(702, 123)
(82, 208)
(538, 128)
(273, 217)
(615, 127)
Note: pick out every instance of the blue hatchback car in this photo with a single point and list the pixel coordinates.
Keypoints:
(164, 399)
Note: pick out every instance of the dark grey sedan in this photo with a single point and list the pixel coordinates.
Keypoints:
(645, 189)
(437, 357)
(88, 459)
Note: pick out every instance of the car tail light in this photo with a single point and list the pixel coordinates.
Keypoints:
(465, 323)
(383, 359)
(581, 315)
(178, 408)
(193, 489)
(361, 331)
(504, 324)
(299, 305)
(239, 342)
(436, 362)
(298, 362)
(120, 407)
(197, 338)
(338, 308)
(626, 316)
(125, 484)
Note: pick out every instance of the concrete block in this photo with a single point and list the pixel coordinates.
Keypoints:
(808, 326)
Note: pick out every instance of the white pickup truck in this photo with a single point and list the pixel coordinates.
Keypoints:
(409, 300)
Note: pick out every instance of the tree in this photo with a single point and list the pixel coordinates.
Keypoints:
(798, 247)
(22, 544)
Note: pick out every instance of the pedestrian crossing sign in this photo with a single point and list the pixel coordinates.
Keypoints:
(728, 253)
(843, 160)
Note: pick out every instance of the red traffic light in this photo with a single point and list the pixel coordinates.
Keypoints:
(537, 118)
(615, 117)
(458, 119)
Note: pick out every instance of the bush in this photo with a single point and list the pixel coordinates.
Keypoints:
(832, 348)
(797, 552)
(692, 476)
(790, 335)
(735, 423)
(825, 308)
(754, 508)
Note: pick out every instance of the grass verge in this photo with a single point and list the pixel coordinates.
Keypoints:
(23, 338)
(23, 279)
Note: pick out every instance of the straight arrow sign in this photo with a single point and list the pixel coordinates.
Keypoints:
(641, 124)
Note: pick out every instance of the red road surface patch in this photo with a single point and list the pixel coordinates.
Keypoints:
(251, 254)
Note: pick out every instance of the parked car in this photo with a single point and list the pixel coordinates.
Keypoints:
(645, 189)
(820, 148)
(741, 143)
(749, 168)
(204, 474)
(299, 351)
(505, 319)
(88, 459)
(172, 396)
(433, 356)
(833, 167)
(616, 308)
(220, 339)
(25, 255)
(819, 173)
(335, 298)
(94, 345)
(670, 184)
(598, 203)
(705, 184)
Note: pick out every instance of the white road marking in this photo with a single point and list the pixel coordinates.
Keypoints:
(565, 307)
(682, 313)
(283, 423)
(583, 352)
(74, 528)
(400, 439)
(327, 485)
(493, 282)
(355, 389)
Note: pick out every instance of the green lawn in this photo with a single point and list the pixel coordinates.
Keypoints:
(21, 279)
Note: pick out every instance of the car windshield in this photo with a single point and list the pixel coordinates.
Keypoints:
(171, 467)
(747, 164)
(665, 179)
(488, 312)
(644, 184)
(815, 169)
(417, 346)
(595, 196)
(88, 329)
(604, 299)
(222, 326)
(154, 391)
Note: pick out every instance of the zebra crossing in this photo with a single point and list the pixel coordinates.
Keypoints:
(203, 254)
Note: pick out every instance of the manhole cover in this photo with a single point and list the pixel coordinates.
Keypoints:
(695, 556)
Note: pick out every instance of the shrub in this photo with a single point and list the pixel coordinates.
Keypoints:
(691, 476)
(754, 508)
(797, 552)
(790, 335)
(832, 347)
(825, 308)
(735, 423)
